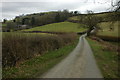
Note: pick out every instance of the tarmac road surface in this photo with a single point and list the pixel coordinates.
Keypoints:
(80, 63)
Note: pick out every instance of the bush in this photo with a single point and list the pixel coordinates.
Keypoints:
(18, 47)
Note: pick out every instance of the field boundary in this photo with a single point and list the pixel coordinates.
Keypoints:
(109, 38)
(44, 32)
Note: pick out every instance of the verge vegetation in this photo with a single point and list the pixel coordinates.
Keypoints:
(36, 66)
(18, 47)
(106, 56)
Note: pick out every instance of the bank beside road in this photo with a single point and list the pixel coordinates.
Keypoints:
(106, 55)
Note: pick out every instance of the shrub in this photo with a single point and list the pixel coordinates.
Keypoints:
(18, 47)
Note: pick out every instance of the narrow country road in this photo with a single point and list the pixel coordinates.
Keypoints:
(80, 63)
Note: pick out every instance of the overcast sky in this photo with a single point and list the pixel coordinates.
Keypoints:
(11, 8)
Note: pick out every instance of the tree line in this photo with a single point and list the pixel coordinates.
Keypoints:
(37, 19)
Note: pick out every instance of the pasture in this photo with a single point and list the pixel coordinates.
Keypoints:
(109, 29)
(74, 18)
(4, 24)
(60, 27)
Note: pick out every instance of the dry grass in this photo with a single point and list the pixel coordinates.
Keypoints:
(18, 47)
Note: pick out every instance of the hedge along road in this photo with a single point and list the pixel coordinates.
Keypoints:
(80, 63)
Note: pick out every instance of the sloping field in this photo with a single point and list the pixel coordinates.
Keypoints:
(106, 16)
(109, 28)
(74, 18)
(59, 27)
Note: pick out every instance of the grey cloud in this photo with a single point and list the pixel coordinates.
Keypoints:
(29, 7)
(12, 9)
(15, 6)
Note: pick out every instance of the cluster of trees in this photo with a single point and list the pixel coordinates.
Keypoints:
(37, 19)
(91, 20)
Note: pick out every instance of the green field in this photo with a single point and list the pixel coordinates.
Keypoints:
(74, 18)
(4, 25)
(106, 58)
(105, 29)
(102, 15)
(105, 26)
(59, 27)
(28, 34)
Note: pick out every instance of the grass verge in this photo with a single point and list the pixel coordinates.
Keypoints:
(107, 59)
(37, 66)
(18, 47)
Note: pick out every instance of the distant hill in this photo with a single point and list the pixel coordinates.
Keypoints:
(40, 19)
(106, 17)
(37, 19)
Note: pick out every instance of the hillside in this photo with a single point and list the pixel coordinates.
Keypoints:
(109, 23)
(35, 19)
(59, 27)
(105, 28)
(105, 16)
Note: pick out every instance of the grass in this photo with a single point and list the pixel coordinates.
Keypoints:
(103, 15)
(107, 59)
(74, 18)
(29, 34)
(115, 43)
(106, 29)
(38, 65)
(59, 27)
(4, 24)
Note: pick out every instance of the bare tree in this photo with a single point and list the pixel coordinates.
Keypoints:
(115, 16)
(90, 20)
(115, 5)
